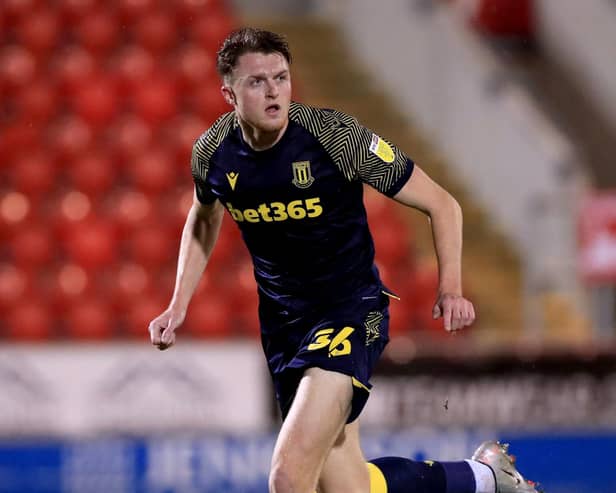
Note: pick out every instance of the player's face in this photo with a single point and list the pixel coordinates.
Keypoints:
(260, 91)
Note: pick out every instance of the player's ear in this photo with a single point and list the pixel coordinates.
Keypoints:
(228, 94)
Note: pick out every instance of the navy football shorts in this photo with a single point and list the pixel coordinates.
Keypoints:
(347, 338)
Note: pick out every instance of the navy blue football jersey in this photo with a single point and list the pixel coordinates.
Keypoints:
(299, 205)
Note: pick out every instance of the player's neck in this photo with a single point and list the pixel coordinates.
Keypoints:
(260, 140)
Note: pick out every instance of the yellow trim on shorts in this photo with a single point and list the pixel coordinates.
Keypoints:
(391, 295)
(357, 383)
(377, 479)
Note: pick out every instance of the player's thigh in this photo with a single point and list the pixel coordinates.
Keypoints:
(345, 470)
(316, 418)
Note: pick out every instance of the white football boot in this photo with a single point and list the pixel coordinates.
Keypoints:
(508, 479)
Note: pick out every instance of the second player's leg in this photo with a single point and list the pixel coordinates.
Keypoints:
(314, 423)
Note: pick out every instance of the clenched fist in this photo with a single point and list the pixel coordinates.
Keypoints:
(162, 328)
(457, 311)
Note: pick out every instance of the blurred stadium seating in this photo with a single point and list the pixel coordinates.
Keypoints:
(100, 109)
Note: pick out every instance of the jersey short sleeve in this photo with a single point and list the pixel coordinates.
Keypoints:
(203, 150)
(359, 153)
(200, 165)
(374, 160)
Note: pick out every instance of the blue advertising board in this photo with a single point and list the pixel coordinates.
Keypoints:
(568, 463)
(563, 463)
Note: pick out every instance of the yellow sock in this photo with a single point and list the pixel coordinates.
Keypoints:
(377, 480)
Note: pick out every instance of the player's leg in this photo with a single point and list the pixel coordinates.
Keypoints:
(318, 414)
(315, 429)
(345, 469)
(490, 470)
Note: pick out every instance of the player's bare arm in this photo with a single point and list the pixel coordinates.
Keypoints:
(422, 193)
(198, 239)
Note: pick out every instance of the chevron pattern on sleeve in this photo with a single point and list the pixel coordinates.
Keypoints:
(206, 145)
(348, 144)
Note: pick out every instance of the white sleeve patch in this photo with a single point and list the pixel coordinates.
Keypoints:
(382, 149)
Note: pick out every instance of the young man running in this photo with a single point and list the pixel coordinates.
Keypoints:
(292, 177)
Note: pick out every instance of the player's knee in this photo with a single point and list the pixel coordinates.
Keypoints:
(284, 478)
(280, 481)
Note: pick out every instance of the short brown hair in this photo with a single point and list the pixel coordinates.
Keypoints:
(249, 40)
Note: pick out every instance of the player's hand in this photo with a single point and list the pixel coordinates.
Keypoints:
(457, 311)
(162, 328)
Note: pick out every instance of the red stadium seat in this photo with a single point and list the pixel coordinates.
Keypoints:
(128, 209)
(16, 209)
(130, 11)
(133, 66)
(30, 320)
(196, 68)
(17, 136)
(209, 31)
(70, 284)
(15, 285)
(17, 9)
(191, 10)
(33, 173)
(153, 171)
(70, 210)
(39, 31)
(156, 31)
(93, 244)
(93, 173)
(70, 137)
(210, 317)
(128, 283)
(98, 31)
(96, 100)
(141, 313)
(33, 246)
(208, 103)
(129, 137)
(156, 100)
(72, 67)
(37, 101)
(18, 67)
(90, 319)
(183, 132)
(174, 207)
(152, 245)
(74, 10)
